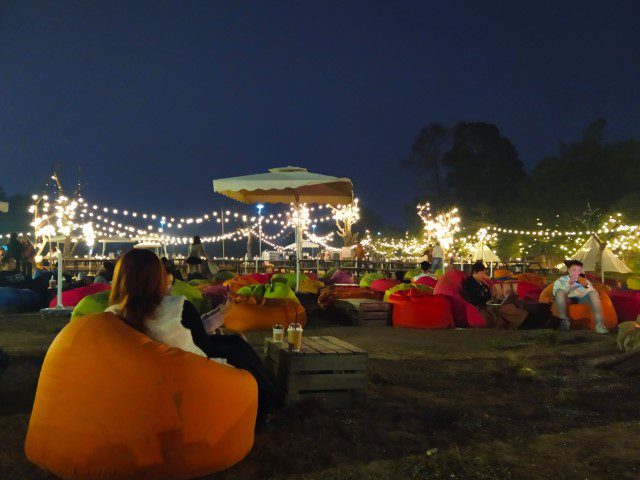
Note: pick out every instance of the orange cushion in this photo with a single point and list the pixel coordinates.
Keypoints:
(113, 403)
(250, 314)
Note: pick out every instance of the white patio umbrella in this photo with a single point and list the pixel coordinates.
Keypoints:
(288, 185)
(305, 244)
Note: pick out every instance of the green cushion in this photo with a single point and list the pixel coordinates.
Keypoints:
(96, 303)
(223, 276)
(192, 294)
(280, 290)
(368, 279)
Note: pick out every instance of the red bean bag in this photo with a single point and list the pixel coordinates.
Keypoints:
(383, 284)
(529, 291)
(417, 309)
(532, 278)
(464, 314)
(626, 304)
(71, 298)
(313, 276)
(428, 281)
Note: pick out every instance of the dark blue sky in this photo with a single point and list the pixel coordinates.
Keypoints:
(155, 99)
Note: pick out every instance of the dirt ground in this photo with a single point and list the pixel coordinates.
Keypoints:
(454, 404)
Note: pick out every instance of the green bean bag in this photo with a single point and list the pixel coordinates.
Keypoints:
(96, 303)
(368, 279)
(412, 273)
(256, 291)
(223, 275)
(329, 273)
(633, 283)
(198, 281)
(405, 286)
(280, 290)
(192, 294)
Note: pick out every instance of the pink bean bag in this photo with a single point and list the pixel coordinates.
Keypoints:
(626, 304)
(464, 314)
(383, 284)
(341, 277)
(71, 298)
(261, 278)
(216, 294)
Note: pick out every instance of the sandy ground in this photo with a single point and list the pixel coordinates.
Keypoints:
(454, 404)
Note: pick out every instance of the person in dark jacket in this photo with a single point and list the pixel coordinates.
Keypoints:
(477, 291)
(15, 249)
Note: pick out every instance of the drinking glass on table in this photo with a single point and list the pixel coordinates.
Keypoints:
(294, 337)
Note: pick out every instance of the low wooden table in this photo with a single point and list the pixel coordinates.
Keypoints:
(325, 367)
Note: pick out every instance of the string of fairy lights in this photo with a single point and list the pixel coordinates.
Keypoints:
(63, 217)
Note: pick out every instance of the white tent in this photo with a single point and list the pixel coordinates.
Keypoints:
(305, 244)
(484, 254)
(288, 185)
(588, 255)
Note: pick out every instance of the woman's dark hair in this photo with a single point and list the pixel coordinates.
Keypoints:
(571, 263)
(139, 284)
(478, 267)
(425, 266)
(400, 275)
(196, 240)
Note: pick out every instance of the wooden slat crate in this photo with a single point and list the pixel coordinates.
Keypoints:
(325, 367)
(365, 311)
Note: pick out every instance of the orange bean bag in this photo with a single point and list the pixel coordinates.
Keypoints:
(236, 283)
(581, 315)
(248, 314)
(113, 403)
(502, 273)
(416, 309)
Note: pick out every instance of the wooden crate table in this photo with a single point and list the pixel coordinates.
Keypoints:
(325, 367)
(365, 311)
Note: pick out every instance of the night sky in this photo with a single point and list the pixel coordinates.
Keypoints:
(155, 99)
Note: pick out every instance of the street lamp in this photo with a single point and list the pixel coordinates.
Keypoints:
(313, 229)
(260, 206)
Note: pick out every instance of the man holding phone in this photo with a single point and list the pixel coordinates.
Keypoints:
(575, 288)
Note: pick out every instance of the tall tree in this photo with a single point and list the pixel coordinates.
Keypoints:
(426, 154)
(480, 166)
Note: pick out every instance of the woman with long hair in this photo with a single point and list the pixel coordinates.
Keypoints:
(140, 296)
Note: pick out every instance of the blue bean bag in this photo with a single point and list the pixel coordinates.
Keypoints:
(19, 300)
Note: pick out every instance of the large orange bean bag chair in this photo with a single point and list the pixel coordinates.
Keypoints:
(329, 295)
(417, 309)
(464, 314)
(581, 315)
(113, 403)
(236, 283)
(248, 314)
(71, 298)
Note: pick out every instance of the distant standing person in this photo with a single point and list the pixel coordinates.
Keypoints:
(28, 256)
(438, 255)
(15, 249)
(196, 253)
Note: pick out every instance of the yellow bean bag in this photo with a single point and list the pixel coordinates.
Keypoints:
(633, 283)
(503, 273)
(113, 403)
(251, 314)
(581, 315)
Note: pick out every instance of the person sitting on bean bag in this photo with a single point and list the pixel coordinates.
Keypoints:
(106, 274)
(425, 266)
(476, 291)
(575, 288)
(140, 297)
(11, 275)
